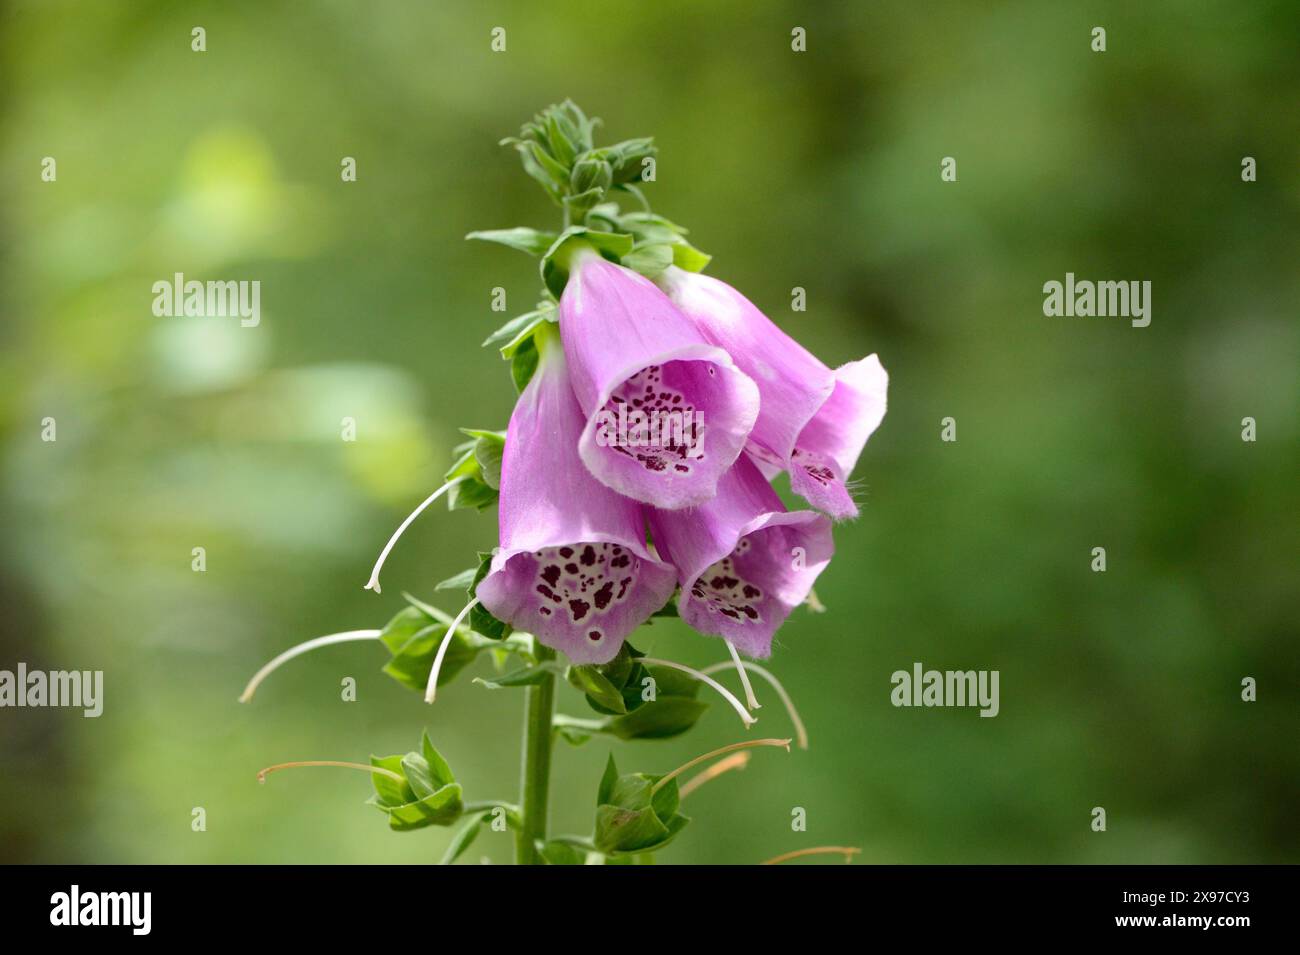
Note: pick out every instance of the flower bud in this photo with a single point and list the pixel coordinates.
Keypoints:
(590, 174)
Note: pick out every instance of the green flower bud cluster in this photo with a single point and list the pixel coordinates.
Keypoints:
(557, 150)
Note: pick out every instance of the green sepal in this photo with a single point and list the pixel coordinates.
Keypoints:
(515, 333)
(414, 634)
(688, 258)
(631, 817)
(668, 610)
(532, 241)
(650, 259)
(561, 853)
(427, 795)
(666, 717)
(573, 735)
(617, 691)
(655, 230)
(523, 363)
(480, 618)
(625, 158)
(489, 447)
(524, 676)
(413, 637)
(556, 170)
(555, 263)
(464, 838)
(579, 204)
(462, 581)
(590, 172)
(478, 466)
(603, 695)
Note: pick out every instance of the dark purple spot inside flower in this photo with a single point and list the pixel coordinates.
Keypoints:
(722, 589)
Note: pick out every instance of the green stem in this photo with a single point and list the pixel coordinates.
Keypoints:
(536, 771)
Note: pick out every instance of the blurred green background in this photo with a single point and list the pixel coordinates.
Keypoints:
(818, 170)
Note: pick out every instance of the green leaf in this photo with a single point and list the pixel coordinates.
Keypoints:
(520, 329)
(524, 676)
(462, 581)
(525, 240)
(464, 838)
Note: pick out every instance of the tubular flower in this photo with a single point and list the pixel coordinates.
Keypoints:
(743, 561)
(813, 421)
(573, 567)
(667, 413)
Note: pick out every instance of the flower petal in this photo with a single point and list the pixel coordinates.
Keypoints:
(812, 422)
(573, 567)
(828, 448)
(630, 353)
(743, 561)
(792, 383)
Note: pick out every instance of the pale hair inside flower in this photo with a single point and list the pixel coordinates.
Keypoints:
(813, 421)
(632, 354)
(743, 561)
(573, 567)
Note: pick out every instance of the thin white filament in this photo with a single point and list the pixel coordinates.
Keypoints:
(431, 690)
(705, 678)
(373, 584)
(750, 699)
(299, 650)
(801, 734)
